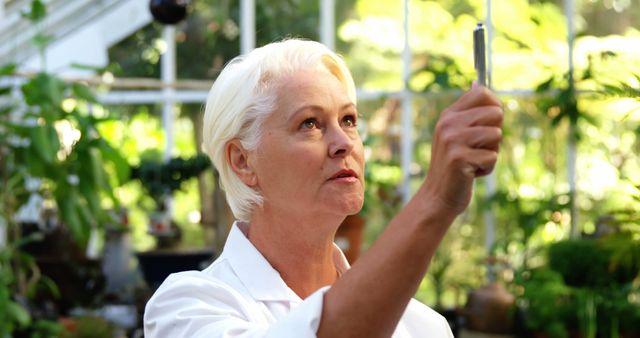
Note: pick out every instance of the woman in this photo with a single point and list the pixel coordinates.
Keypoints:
(280, 126)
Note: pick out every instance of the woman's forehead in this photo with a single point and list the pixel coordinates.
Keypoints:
(312, 83)
(316, 91)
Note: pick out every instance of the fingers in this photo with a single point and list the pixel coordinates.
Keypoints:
(472, 129)
(476, 116)
(474, 149)
(477, 96)
(483, 161)
(478, 107)
(488, 138)
(483, 116)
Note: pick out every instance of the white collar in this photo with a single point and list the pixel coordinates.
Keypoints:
(261, 280)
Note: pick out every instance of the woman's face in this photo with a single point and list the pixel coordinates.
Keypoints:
(311, 158)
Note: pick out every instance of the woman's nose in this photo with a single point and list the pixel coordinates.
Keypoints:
(340, 143)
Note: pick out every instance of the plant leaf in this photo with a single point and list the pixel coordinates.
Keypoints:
(83, 92)
(42, 40)
(44, 91)
(37, 12)
(543, 87)
(45, 141)
(68, 206)
(120, 164)
(9, 69)
(18, 314)
(92, 196)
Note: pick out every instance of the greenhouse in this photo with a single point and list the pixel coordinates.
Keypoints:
(110, 130)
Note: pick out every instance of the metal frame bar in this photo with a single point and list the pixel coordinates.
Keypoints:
(200, 96)
(328, 23)
(572, 156)
(247, 26)
(406, 138)
(168, 76)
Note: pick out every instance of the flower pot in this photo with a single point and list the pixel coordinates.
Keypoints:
(489, 309)
(156, 265)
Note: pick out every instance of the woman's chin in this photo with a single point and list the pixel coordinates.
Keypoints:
(348, 208)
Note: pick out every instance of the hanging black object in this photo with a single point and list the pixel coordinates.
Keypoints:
(168, 12)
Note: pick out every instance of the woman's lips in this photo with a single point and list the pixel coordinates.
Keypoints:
(345, 175)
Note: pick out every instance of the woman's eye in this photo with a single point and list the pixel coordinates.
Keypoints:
(349, 121)
(309, 124)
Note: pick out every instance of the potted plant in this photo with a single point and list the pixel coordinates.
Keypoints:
(159, 180)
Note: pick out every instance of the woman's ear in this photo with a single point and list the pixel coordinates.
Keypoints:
(238, 159)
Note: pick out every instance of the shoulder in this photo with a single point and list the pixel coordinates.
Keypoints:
(190, 300)
(418, 308)
(421, 318)
(214, 286)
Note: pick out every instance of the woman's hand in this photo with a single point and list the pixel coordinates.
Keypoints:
(465, 146)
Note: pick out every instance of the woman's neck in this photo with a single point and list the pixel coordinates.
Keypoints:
(300, 248)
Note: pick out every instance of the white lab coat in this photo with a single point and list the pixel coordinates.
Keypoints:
(240, 295)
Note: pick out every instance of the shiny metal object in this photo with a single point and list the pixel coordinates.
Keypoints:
(480, 54)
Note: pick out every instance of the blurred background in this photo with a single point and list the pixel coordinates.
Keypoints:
(105, 191)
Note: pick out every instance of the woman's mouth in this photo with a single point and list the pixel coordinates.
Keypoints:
(344, 175)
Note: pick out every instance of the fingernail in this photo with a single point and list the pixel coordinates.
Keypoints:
(474, 84)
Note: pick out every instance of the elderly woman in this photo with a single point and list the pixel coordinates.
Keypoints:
(281, 128)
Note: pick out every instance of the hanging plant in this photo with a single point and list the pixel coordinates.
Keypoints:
(160, 179)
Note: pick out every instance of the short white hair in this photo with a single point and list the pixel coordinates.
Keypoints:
(245, 93)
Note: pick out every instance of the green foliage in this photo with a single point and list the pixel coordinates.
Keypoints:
(559, 101)
(49, 137)
(89, 327)
(446, 74)
(545, 301)
(37, 11)
(438, 273)
(583, 288)
(622, 89)
(625, 253)
(15, 268)
(587, 263)
(45, 329)
(527, 214)
(12, 314)
(595, 305)
(160, 179)
(75, 173)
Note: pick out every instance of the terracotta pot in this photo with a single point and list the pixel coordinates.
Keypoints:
(489, 309)
(350, 235)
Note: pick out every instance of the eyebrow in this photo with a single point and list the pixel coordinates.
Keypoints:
(315, 107)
